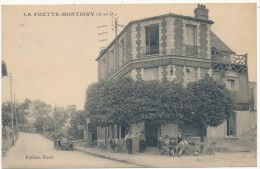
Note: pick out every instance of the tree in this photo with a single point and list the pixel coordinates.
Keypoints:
(211, 104)
(20, 112)
(6, 114)
(125, 101)
(60, 116)
(77, 118)
(41, 111)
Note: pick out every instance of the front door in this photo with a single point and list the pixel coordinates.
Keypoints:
(151, 134)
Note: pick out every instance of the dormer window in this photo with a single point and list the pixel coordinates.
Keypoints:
(152, 39)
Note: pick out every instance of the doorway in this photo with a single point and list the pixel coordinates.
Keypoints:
(151, 134)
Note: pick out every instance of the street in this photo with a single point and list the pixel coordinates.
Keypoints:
(35, 151)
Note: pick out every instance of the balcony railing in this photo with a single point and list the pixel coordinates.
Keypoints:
(228, 57)
(191, 50)
(150, 50)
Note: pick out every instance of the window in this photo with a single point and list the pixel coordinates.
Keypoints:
(193, 131)
(103, 67)
(231, 126)
(111, 61)
(124, 130)
(122, 59)
(152, 39)
(191, 40)
(231, 84)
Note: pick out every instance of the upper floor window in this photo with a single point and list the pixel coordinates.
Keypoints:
(191, 40)
(122, 59)
(152, 39)
(111, 61)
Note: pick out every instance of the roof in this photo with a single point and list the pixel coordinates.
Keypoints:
(218, 44)
(152, 18)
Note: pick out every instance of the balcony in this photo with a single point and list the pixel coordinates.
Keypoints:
(191, 50)
(223, 61)
(150, 50)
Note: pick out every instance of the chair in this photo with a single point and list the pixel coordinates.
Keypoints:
(210, 150)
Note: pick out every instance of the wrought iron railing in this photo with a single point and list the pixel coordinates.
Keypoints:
(228, 57)
(191, 50)
(150, 50)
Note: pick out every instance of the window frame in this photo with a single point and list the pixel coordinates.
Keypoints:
(157, 39)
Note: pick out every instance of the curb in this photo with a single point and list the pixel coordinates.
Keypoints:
(109, 158)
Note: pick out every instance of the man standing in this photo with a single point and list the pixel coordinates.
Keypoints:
(142, 141)
(128, 140)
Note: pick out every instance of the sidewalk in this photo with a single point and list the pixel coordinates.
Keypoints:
(235, 159)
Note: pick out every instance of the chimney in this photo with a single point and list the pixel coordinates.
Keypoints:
(201, 12)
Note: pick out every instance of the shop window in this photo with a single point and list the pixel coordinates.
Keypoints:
(231, 126)
(152, 39)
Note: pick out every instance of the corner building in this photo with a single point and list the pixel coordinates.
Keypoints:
(183, 49)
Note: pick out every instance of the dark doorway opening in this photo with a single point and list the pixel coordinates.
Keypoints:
(151, 134)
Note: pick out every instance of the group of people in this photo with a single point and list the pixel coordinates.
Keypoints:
(166, 144)
(142, 141)
(173, 146)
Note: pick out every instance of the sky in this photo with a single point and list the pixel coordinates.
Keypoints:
(52, 58)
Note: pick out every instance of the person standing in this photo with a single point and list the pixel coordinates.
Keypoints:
(142, 141)
(179, 136)
(128, 140)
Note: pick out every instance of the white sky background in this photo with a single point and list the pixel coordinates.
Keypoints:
(53, 58)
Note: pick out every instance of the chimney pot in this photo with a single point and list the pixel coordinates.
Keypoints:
(201, 12)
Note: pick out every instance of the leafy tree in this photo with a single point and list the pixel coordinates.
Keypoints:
(211, 104)
(60, 117)
(125, 101)
(77, 118)
(20, 113)
(41, 111)
(6, 114)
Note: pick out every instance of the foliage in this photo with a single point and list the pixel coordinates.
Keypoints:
(41, 111)
(212, 103)
(77, 118)
(20, 112)
(125, 101)
(60, 116)
(6, 114)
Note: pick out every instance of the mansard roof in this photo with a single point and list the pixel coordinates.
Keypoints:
(218, 44)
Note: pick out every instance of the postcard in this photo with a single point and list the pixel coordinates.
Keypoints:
(129, 85)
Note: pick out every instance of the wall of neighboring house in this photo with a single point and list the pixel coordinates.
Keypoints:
(239, 141)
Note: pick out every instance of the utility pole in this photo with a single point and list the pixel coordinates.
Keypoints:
(12, 111)
(55, 123)
(15, 113)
